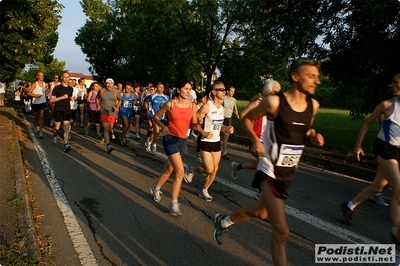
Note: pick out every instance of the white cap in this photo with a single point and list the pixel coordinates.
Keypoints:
(109, 80)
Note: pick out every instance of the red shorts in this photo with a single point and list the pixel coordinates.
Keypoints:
(107, 118)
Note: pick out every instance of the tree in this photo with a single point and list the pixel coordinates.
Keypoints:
(364, 37)
(49, 70)
(27, 34)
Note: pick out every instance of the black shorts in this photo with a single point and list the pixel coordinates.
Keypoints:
(73, 114)
(94, 116)
(227, 121)
(62, 116)
(209, 146)
(385, 150)
(38, 107)
(278, 187)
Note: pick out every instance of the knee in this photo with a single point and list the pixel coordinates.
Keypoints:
(262, 214)
(281, 232)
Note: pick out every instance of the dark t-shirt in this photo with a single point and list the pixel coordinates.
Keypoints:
(64, 104)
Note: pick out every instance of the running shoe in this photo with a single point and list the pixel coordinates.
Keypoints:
(156, 193)
(54, 139)
(112, 136)
(347, 213)
(123, 142)
(234, 172)
(137, 136)
(198, 159)
(188, 176)
(86, 131)
(154, 149)
(109, 149)
(127, 134)
(148, 146)
(67, 148)
(40, 134)
(204, 195)
(219, 231)
(226, 157)
(174, 209)
(99, 137)
(378, 199)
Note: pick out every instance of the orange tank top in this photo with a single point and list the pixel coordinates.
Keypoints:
(179, 120)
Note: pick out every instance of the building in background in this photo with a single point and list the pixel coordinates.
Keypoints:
(77, 76)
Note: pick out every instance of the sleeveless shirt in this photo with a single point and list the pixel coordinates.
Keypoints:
(179, 120)
(285, 143)
(390, 129)
(39, 90)
(213, 122)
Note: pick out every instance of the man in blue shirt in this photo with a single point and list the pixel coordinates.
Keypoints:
(153, 104)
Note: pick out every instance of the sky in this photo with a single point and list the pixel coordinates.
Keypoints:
(66, 50)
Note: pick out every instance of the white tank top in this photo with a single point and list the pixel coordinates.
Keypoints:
(390, 129)
(213, 122)
(39, 90)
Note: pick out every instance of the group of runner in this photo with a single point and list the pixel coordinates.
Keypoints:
(277, 123)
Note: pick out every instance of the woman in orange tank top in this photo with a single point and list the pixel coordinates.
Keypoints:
(181, 114)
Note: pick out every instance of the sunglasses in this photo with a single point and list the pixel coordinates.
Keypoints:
(219, 89)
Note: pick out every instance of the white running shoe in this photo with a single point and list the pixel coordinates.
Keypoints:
(156, 193)
(137, 136)
(148, 146)
(234, 172)
(127, 134)
(112, 136)
(204, 195)
(188, 177)
(154, 149)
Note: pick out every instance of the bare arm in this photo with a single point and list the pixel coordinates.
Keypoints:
(156, 118)
(315, 138)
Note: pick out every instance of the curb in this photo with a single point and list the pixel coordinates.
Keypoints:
(327, 163)
(25, 218)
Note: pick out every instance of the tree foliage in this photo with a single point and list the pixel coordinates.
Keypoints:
(364, 38)
(27, 34)
(49, 70)
(241, 40)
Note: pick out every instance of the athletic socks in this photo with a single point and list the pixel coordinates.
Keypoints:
(226, 222)
(351, 205)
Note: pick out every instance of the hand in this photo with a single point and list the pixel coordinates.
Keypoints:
(229, 129)
(65, 96)
(315, 138)
(38, 95)
(208, 135)
(165, 130)
(257, 149)
(357, 152)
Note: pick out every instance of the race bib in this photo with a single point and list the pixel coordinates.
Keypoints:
(289, 155)
(127, 104)
(216, 125)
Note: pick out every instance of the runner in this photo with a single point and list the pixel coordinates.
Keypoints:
(61, 97)
(213, 113)
(108, 102)
(181, 115)
(271, 87)
(38, 93)
(230, 108)
(293, 113)
(137, 109)
(94, 114)
(126, 111)
(153, 104)
(83, 93)
(76, 94)
(387, 152)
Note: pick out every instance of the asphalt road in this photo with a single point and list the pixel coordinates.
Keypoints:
(103, 214)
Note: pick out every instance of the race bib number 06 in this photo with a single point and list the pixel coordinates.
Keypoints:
(289, 155)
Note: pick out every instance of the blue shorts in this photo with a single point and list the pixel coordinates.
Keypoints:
(174, 145)
(127, 113)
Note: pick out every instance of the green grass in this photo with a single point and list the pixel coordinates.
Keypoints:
(337, 127)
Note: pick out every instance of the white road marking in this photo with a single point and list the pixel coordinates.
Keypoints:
(82, 248)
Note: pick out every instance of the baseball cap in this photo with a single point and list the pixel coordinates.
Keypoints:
(109, 80)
